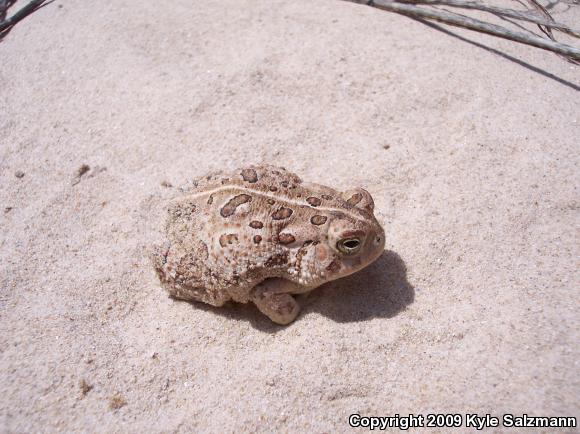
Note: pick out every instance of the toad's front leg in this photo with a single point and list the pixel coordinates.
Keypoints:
(273, 298)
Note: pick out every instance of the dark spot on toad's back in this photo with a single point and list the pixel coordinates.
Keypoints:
(318, 220)
(282, 213)
(354, 199)
(255, 224)
(314, 201)
(210, 199)
(230, 208)
(286, 238)
(271, 201)
(273, 188)
(257, 239)
(250, 175)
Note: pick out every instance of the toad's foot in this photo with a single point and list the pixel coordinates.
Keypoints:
(273, 299)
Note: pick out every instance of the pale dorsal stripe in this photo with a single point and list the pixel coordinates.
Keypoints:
(267, 195)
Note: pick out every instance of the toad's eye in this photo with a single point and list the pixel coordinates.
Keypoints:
(349, 246)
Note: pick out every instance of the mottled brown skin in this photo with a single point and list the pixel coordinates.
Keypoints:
(260, 234)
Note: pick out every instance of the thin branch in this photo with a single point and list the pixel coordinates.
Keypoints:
(570, 52)
(4, 5)
(520, 15)
(7, 24)
(515, 23)
(543, 11)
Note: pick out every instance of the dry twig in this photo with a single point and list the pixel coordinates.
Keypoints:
(510, 13)
(547, 23)
(6, 24)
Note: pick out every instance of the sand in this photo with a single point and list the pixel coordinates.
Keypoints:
(469, 145)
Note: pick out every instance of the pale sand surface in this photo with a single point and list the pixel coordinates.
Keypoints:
(474, 308)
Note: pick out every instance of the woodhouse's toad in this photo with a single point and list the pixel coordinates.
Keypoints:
(260, 234)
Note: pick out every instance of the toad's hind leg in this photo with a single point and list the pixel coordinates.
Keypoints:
(273, 298)
(183, 278)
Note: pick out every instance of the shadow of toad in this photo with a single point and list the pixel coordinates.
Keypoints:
(380, 290)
